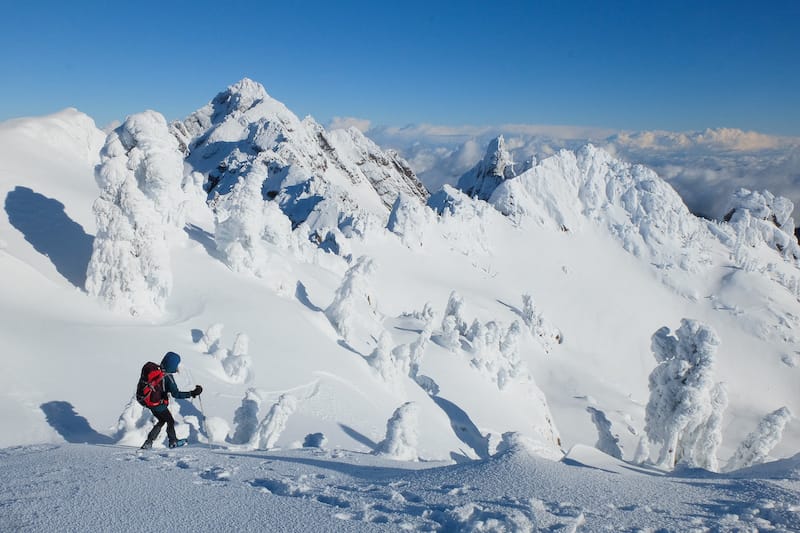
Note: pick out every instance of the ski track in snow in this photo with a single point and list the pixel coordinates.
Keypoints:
(68, 487)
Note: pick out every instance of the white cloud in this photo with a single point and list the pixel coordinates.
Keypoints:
(342, 123)
(705, 167)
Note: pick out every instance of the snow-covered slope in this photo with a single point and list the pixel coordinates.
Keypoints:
(198, 489)
(464, 326)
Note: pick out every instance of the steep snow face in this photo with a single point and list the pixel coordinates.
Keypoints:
(495, 167)
(329, 180)
(571, 190)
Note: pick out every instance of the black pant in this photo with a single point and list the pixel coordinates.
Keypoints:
(163, 417)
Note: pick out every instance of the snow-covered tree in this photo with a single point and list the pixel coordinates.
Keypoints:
(383, 360)
(210, 341)
(352, 293)
(543, 332)
(706, 438)
(133, 423)
(245, 221)
(245, 419)
(682, 414)
(270, 428)
(408, 219)
(455, 308)
(417, 348)
(755, 448)
(402, 434)
(140, 209)
(237, 363)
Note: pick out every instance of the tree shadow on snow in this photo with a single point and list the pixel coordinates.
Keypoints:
(368, 472)
(204, 238)
(516, 310)
(44, 224)
(301, 293)
(70, 425)
(466, 431)
(359, 437)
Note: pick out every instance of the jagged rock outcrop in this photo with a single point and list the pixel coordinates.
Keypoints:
(325, 179)
(496, 167)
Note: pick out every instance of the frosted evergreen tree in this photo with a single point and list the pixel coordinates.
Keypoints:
(455, 305)
(680, 407)
(383, 360)
(240, 224)
(210, 341)
(140, 209)
(402, 434)
(450, 337)
(707, 437)
(237, 363)
(417, 348)
(270, 428)
(354, 290)
(245, 419)
(755, 448)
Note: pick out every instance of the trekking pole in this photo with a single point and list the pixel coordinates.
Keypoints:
(203, 428)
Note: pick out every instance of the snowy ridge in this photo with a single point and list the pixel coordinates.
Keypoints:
(570, 190)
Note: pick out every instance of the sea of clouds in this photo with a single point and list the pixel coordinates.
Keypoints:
(705, 167)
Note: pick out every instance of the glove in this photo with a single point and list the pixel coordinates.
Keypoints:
(197, 390)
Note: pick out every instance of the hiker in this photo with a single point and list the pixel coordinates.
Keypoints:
(159, 384)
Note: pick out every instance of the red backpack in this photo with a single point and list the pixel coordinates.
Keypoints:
(150, 390)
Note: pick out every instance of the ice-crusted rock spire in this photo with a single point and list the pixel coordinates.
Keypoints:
(496, 167)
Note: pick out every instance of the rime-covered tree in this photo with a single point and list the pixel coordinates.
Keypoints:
(682, 406)
(402, 434)
(140, 209)
(351, 294)
(270, 428)
(245, 419)
(246, 223)
(237, 363)
(755, 448)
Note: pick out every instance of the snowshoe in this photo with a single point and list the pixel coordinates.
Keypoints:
(177, 443)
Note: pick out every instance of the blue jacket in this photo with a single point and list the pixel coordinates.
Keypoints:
(172, 389)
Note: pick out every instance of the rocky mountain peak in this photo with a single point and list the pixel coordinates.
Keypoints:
(495, 167)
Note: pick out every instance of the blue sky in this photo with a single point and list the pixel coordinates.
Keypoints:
(624, 65)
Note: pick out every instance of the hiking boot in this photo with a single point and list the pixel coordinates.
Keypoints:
(147, 445)
(176, 443)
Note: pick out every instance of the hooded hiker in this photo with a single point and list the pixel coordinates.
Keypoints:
(153, 391)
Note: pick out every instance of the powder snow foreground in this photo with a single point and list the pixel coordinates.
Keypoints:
(202, 489)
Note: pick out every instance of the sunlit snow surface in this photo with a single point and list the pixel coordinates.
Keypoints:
(113, 488)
